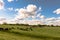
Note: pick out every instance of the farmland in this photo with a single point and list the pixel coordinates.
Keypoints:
(37, 33)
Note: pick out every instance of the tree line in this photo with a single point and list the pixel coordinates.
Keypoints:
(38, 25)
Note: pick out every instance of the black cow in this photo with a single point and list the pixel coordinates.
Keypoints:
(7, 29)
(1, 28)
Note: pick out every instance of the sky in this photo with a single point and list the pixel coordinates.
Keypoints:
(30, 11)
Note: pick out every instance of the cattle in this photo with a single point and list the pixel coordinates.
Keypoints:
(26, 29)
(5, 29)
(1, 29)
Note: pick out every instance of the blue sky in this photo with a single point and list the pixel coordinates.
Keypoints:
(50, 8)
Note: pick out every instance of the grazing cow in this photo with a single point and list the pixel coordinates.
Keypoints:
(6, 29)
(1, 28)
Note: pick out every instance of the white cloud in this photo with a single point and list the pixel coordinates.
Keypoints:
(22, 13)
(17, 9)
(42, 16)
(31, 8)
(29, 11)
(57, 11)
(33, 22)
(2, 20)
(1, 4)
(1, 0)
(10, 9)
(30, 22)
(10, 0)
(52, 21)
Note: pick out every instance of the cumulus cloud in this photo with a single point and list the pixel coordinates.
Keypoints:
(47, 21)
(10, 0)
(31, 8)
(30, 22)
(5, 20)
(1, 4)
(52, 21)
(57, 11)
(29, 11)
(22, 13)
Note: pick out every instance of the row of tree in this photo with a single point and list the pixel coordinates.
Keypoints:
(32, 25)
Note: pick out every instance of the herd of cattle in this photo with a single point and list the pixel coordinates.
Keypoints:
(5, 29)
(24, 29)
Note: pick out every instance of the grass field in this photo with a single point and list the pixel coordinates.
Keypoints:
(38, 33)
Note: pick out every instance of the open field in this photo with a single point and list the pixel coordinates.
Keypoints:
(37, 33)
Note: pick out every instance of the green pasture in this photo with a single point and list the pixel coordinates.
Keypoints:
(37, 33)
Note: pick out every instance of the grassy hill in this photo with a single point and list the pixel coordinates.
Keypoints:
(37, 33)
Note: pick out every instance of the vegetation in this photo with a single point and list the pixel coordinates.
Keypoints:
(29, 32)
